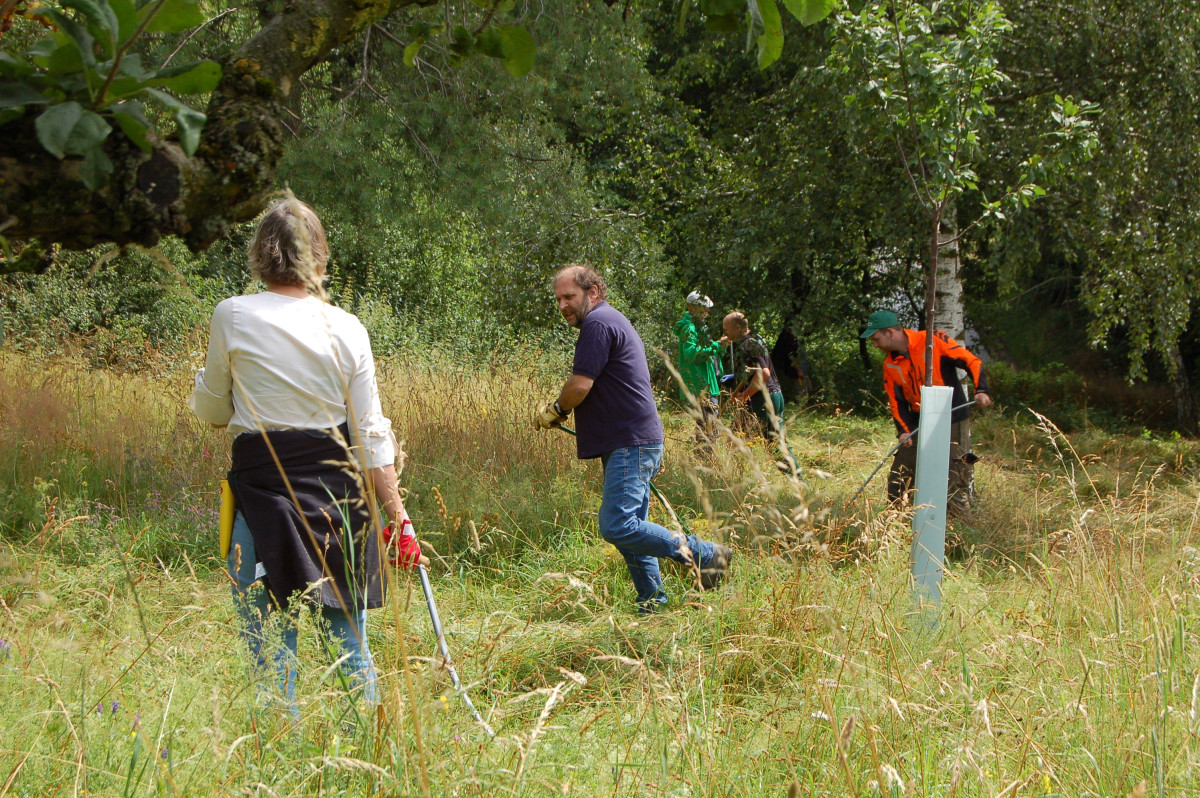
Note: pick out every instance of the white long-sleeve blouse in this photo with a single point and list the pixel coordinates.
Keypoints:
(281, 362)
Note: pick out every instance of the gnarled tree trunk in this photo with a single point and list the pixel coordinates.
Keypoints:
(165, 192)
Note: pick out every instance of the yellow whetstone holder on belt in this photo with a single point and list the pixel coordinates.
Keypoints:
(226, 518)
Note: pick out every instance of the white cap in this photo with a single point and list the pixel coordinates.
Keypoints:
(699, 300)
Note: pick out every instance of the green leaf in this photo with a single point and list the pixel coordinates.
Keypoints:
(190, 123)
(95, 169)
(77, 34)
(11, 114)
(122, 88)
(410, 51)
(488, 42)
(754, 27)
(63, 59)
(519, 49)
(166, 99)
(173, 16)
(770, 41)
(809, 11)
(127, 18)
(55, 124)
(12, 66)
(195, 78)
(131, 118)
(89, 131)
(14, 93)
(40, 51)
(131, 65)
(681, 23)
(462, 42)
(102, 21)
(67, 129)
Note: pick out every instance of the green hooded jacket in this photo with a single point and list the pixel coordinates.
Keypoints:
(695, 359)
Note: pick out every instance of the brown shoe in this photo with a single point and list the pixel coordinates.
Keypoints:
(713, 574)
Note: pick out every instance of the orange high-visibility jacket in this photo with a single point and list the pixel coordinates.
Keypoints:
(904, 374)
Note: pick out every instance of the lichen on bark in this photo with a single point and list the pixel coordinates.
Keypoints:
(229, 178)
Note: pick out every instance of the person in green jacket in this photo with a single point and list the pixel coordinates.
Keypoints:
(697, 351)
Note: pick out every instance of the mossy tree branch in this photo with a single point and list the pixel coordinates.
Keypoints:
(165, 192)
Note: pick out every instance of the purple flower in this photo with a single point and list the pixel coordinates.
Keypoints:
(163, 753)
(115, 706)
(5, 648)
(100, 709)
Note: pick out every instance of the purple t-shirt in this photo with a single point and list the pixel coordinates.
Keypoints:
(619, 410)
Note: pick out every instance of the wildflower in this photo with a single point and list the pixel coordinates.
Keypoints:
(115, 706)
(445, 703)
(163, 753)
(5, 649)
(100, 710)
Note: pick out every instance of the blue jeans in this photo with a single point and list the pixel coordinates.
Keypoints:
(268, 632)
(623, 512)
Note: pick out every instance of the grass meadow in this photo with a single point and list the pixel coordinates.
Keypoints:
(1065, 661)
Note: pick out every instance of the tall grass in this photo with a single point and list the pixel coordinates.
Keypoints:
(1064, 662)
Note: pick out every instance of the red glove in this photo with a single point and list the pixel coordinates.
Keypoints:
(403, 549)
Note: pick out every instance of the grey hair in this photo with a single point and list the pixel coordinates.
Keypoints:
(289, 247)
(585, 277)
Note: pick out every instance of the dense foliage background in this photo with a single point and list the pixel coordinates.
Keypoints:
(651, 145)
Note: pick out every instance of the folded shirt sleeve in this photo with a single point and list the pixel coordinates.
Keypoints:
(212, 394)
(364, 409)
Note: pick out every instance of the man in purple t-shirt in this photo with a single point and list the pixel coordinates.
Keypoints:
(617, 421)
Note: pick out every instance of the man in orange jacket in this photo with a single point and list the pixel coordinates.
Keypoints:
(903, 376)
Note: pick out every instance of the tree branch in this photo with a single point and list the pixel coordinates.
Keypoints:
(912, 114)
(165, 192)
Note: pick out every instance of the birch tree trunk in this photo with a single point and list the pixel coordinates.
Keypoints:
(1185, 402)
(948, 295)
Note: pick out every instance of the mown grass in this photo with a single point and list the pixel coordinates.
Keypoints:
(1064, 662)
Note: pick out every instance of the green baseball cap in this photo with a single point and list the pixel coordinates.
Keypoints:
(880, 320)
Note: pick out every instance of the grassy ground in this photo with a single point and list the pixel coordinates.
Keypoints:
(1064, 663)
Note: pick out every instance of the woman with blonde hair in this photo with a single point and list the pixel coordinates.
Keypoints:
(292, 378)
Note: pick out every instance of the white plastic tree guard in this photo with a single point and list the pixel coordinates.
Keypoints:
(928, 553)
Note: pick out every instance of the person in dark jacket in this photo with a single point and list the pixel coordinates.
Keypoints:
(617, 421)
(292, 378)
(903, 376)
(758, 382)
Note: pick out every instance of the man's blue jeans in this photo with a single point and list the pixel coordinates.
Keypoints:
(623, 512)
(344, 632)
